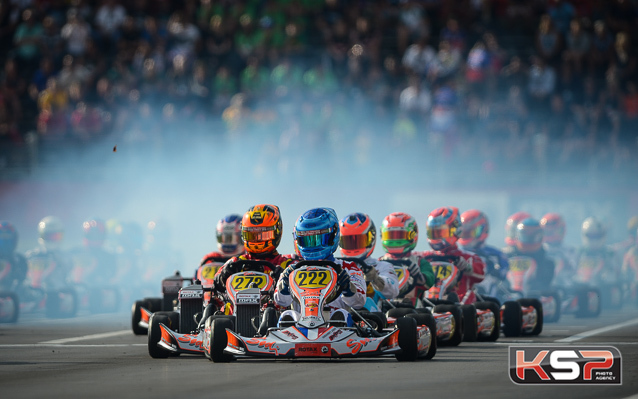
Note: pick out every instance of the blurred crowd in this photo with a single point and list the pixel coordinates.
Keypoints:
(482, 85)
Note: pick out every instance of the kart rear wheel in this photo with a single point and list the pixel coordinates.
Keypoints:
(9, 307)
(512, 319)
(457, 315)
(470, 328)
(428, 320)
(399, 312)
(219, 340)
(491, 299)
(376, 319)
(536, 304)
(155, 335)
(496, 329)
(136, 316)
(407, 339)
(154, 304)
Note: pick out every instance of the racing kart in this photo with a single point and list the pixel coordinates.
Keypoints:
(313, 284)
(249, 295)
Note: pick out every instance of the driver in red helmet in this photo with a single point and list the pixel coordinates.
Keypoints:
(443, 230)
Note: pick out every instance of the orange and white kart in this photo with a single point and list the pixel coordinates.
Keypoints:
(313, 284)
(248, 301)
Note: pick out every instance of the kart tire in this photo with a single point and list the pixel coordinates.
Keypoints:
(15, 305)
(424, 310)
(269, 319)
(496, 311)
(375, 319)
(536, 304)
(136, 316)
(457, 315)
(512, 319)
(219, 340)
(407, 339)
(155, 335)
(470, 327)
(430, 322)
(583, 297)
(154, 304)
(553, 318)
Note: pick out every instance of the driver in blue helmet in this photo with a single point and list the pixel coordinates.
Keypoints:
(316, 234)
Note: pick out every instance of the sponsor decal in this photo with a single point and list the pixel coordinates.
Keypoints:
(356, 345)
(191, 341)
(191, 294)
(312, 349)
(584, 365)
(247, 298)
(290, 334)
(261, 343)
(335, 334)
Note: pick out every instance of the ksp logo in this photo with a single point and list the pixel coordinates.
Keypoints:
(565, 365)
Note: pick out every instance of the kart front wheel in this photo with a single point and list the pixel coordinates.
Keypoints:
(407, 339)
(457, 316)
(536, 304)
(512, 319)
(136, 316)
(496, 328)
(470, 328)
(9, 307)
(155, 335)
(219, 340)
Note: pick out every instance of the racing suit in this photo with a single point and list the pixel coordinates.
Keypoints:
(564, 258)
(50, 269)
(597, 266)
(542, 277)
(381, 274)
(355, 298)
(472, 267)
(278, 261)
(420, 271)
(496, 268)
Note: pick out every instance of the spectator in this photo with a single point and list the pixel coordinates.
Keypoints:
(577, 48)
(549, 42)
(419, 58)
(76, 33)
(27, 39)
(541, 85)
(109, 19)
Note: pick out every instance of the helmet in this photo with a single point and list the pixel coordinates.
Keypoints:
(553, 226)
(316, 233)
(8, 238)
(593, 233)
(94, 233)
(51, 232)
(475, 228)
(228, 233)
(399, 233)
(632, 226)
(261, 229)
(358, 235)
(443, 227)
(529, 235)
(511, 224)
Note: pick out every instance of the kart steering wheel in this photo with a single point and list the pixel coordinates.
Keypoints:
(249, 265)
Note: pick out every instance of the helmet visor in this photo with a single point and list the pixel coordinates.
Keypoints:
(257, 234)
(440, 232)
(314, 238)
(596, 235)
(472, 233)
(226, 238)
(53, 237)
(355, 241)
(394, 235)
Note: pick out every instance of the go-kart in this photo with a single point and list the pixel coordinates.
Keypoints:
(592, 271)
(249, 300)
(313, 284)
(481, 320)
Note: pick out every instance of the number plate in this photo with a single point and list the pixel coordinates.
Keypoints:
(241, 281)
(313, 279)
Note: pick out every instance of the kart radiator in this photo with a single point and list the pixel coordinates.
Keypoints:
(191, 300)
(245, 314)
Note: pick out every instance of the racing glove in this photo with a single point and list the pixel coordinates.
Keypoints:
(283, 285)
(415, 272)
(343, 281)
(373, 277)
(465, 265)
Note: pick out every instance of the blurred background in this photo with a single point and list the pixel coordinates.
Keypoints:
(171, 114)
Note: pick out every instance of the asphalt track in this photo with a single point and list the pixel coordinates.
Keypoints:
(98, 356)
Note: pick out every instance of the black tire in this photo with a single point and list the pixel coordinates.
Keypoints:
(136, 316)
(269, 319)
(376, 319)
(428, 320)
(496, 330)
(536, 304)
(219, 340)
(154, 304)
(10, 296)
(512, 319)
(155, 335)
(470, 328)
(557, 298)
(585, 308)
(424, 310)
(407, 339)
(457, 335)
